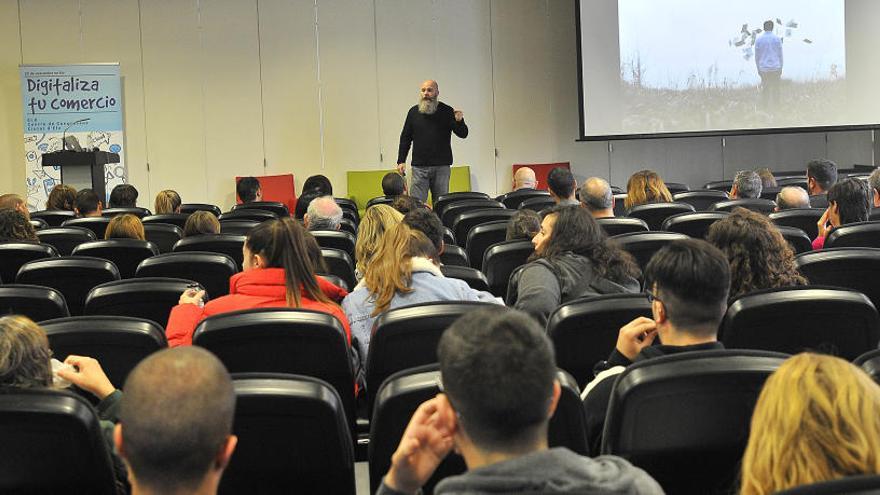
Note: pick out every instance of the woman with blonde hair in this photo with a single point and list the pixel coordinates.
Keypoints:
(167, 201)
(377, 219)
(201, 222)
(646, 186)
(817, 419)
(62, 197)
(125, 226)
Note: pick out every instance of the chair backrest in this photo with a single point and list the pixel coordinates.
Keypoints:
(677, 187)
(441, 202)
(254, 214)
(643, 245)
(700, 200)
(347, 225)
(448, 236)
(34, 301)
(212, 270)
(237, 226)
(501, 260)
(380, 200)
(760, 205)
(351, 207)
(126, 254)
(163, 235)
(719, 185)
(149, 298)
(98, 225)
(473, 277)
(119, 343)
(802, 218)
(695, 224)
(52, 443)
(54, 217)
(464, 222)
(822, 319)
(282, 340)
(227, 244)
(584, 331)
(278, 208)
(619, 204)
(513, 199)
(481, 237)
(851, 485)
(799, 181)
(292, 435)
(851, 268)
(622, 225)
(860, 234)
(15, 254)
(178, 219)
(799, 241)
(64, 239)
(189, 208)
(537, 203)
(454, 209)
(130, 210)
(38, 223)
(770, 192)
(870, 363)
(335, 280)
(336, 239)
(73, 276)
(654, 214)
(339, 263)
(685, 418)
(454, 255)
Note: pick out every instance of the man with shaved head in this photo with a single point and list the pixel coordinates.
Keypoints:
(14, 202)
(524, 178)
(596, 196)
(792, 197)
(175, 423)
(428, 128)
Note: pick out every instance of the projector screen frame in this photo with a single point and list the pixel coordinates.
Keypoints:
(685, 134)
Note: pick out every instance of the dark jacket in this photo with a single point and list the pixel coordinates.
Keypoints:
(430, 135)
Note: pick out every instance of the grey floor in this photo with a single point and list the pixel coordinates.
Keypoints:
(362, 478)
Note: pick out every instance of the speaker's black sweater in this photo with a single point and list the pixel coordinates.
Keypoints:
(430, 135)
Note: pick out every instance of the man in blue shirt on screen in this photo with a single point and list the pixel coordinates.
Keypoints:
(768, 58)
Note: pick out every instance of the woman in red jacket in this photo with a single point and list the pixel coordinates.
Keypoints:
(278, 272)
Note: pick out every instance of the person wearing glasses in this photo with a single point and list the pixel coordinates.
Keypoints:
(687, 284)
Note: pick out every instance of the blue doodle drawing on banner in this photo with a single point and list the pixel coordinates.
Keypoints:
(43, 147)
(48, 184)
(31, 155)
(115, 148)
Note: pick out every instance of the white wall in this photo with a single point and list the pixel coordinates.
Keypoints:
(219, 88)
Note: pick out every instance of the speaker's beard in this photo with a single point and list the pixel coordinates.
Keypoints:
(428, 106)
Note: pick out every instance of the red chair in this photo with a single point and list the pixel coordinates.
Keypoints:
(276, 188)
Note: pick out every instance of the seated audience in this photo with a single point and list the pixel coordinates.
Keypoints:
(404, 271)
(405, 203)
(500, 390)
(874, 183)
(377, 220)
(816, 420)
(523, 225)
(323, 214)
(597, 198)
(123, 196)
(746, 184)
(393, 185)
(15, 202)
(427, 222)
(277, 272)
(524, 178)
(573, 258)
(61, 197)
(249, 190)
(87, 204)
(644, 187)
(848, 202)
(125, 226)
(821, 175)
(687, 283)
(167, 201)
(792, 197)
(175, 422)
(767, 178)
(303, 202)
(561, 184)
(14, 227)
(758, 255)
(318, 183)
(201, 222)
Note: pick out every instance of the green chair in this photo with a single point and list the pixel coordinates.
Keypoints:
(364, 185)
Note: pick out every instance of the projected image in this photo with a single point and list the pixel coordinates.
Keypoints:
(695, 65)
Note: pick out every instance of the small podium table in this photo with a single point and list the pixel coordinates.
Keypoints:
(79, 168)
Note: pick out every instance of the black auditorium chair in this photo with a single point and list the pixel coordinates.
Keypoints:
(454, 209)
(501, 260)
(694, 224)
(830, 320)
(454, 255)
(15, 254)
(760, 205)
(73, 276)
(151, 298)
(700, 200)
(164, 235)
(448, 236)
(380, 200)
(278, 208)
(481, 237)
(870, 363)
(189, 208)
(52, 443)
(622, 225)
(248, 214)
(851, 268)
(677, 187)
(797, 181)
(584, 331)
(441, 202)
(473, 277)
(402, 393)
(126, 254)
(211, 270)
(851, 485)
(719, 185)
(685, 418)
(98, 225)
(537, 203)
(38, 223)
(350, 207)
(805, 219)
(292, 437)
(770, 192)
(64, 239)
(227, 244)
(34, 301)
(339, 263)
(799, 241)
(335, 280)
(643, 245)
(407, 337)
(347, 225)
(178, 219)
(130, 210)
(859, 234)
(654, 214)
(336, 239)
(619, 204)
(238, 226)
(513, 199)
(283, 340)
(119, 343)
(464, 222)
(53, 217)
